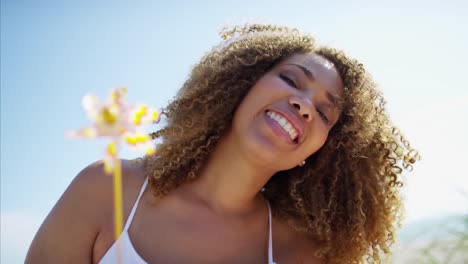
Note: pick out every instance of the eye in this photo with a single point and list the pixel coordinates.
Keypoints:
(324, 117)
(288, 80)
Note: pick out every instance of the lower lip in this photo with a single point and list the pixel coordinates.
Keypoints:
(278, 130)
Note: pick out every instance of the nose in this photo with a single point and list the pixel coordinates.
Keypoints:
(303, 106)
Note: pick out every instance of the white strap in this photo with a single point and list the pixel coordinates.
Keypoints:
(270, 240)
(132, 213)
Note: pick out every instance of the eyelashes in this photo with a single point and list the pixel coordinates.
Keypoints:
(291, 83)
(288, 80)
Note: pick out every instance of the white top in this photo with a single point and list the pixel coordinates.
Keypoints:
(129, 254)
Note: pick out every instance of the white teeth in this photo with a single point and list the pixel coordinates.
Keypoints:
(283, 122)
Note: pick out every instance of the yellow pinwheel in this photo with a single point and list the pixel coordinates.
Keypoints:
(122, 123)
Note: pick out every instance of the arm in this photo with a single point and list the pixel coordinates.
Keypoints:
(67, 234)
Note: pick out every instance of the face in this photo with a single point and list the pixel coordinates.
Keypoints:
(288, 114)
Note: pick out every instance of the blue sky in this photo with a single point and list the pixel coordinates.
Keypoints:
(54, 52)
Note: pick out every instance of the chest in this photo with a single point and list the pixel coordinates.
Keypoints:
(196, 239)
(160, 235)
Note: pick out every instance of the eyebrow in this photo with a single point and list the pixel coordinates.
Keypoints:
(306, 71)
(337, 102)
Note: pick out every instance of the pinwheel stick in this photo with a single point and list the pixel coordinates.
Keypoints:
(118, 215)
(118, 207)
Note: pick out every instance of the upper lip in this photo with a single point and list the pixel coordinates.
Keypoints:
(292, 118)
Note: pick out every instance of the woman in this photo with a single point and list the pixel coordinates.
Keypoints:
(275, 148)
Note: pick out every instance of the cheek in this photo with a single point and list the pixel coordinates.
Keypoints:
(314, 143)
(265, 92)
(270, 86)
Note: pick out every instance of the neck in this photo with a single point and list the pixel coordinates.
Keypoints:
(230, 182)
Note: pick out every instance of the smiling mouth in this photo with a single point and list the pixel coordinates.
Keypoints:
(285, 125)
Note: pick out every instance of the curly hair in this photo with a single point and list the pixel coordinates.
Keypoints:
(346, 197)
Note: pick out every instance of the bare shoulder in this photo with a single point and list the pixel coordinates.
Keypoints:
(98, 185)
(98, 182)
(297, 247)
(94, 184)
(68, 233)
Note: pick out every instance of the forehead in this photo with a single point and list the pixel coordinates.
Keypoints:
(312, 61)
(323, 70)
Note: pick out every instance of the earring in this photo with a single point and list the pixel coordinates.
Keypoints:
(302, 163)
